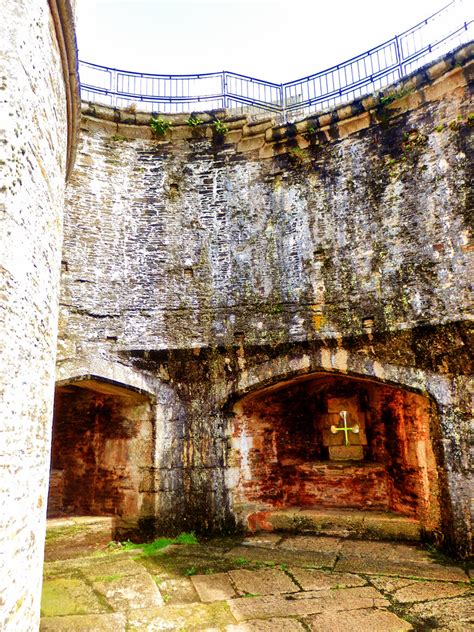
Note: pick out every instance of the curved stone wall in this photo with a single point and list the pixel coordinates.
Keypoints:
(194, 258)
(34, 157)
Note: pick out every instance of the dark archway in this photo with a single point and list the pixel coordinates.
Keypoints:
(102, 447)
(290, 449)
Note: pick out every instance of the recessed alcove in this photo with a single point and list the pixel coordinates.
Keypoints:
(333, 442)
(101, 450)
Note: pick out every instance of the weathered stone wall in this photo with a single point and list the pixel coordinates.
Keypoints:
(33, 162)
(101, 451)
(340, 243)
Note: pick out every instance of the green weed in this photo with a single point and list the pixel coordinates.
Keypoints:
(160, 126)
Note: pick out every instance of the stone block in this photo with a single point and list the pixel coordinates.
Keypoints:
(268, 625)
(366, 619)
(310, 559)
(181, 132)
(129, 593)
(133, 131)
(429, 591)
(65, 596)
(311, 543)
(178, 591)
(216, 587)
(233, 136)
(311, 579)
(372, 566)
(190, 616)
(257, 128)
(85, 623)
(455, 615)
(266, 151)
(353, 125)
(271, 606)
(346, 453)
(262, 582)
(251, 144)
(437, 70)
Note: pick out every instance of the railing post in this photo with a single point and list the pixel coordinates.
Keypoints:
(224, 88)
(113, 87)
(399, 55)
(283, 102)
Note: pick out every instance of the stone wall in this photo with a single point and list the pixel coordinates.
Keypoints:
(101, 451)
(33, 163)
(216, 264)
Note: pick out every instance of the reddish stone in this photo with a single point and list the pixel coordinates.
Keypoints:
(288, 464)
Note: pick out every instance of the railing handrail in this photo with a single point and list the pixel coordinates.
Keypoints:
(280, 97)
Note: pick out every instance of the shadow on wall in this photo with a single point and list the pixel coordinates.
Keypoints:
(102, 449)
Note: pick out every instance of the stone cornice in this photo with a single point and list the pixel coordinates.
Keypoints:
(63, 19)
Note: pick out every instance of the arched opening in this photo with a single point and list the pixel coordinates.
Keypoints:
(334, 442)
(102, 446)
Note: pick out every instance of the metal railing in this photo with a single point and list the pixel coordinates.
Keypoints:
(366, 73)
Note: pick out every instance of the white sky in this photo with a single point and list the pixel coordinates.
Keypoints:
(274, 40)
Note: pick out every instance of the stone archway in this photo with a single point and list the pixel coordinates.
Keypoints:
(284, 454)
(102, 447)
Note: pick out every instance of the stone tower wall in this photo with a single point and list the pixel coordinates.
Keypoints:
(36, 118)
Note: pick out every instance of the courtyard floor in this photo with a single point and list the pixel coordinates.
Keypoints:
(263, 583)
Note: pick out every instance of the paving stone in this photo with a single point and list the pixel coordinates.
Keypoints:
(427, 570)
(96, 570)
(263, 539)
(176, 591)
(268, 625)
(311, 543)
(428, 591)
(306, 603)
(194, 617)
(347, 598)
(85, 623)
(384, 551)
(358, 621)
(449, 614)
(311, 579)
(270, 606)
(126, 593)
(263, 582)
(310, 559)
(390, 584)
(213, 587)
(119, 563)
(64, 596)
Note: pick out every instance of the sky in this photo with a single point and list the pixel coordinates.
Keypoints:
(274, 40)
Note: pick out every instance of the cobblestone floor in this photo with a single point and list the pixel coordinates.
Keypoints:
(258, 584)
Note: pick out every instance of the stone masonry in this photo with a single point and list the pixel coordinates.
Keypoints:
(34, 146)
(207, 266)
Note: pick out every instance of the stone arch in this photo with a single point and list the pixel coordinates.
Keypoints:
(338, 361)
(266, 473)
(101, 450)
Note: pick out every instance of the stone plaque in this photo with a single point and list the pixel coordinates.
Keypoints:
(344, 429)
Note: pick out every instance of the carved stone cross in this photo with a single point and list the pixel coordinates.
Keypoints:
(345, 428)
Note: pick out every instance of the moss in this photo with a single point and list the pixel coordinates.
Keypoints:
(66, 596)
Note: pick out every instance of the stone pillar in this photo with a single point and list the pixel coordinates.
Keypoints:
(38, 122)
